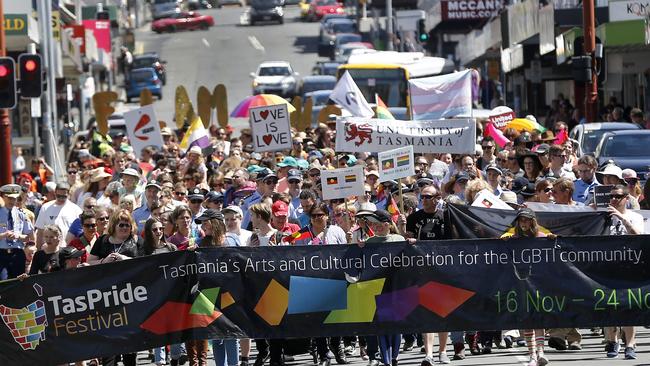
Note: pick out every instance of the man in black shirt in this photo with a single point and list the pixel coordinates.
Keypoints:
(426, 224)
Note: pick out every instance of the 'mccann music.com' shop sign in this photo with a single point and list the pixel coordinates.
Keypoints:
(470, 9)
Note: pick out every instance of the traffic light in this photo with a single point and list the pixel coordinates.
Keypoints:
(422, 30)
(7, 83)
(31, 75)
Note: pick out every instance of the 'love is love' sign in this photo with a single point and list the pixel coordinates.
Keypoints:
(271, 128)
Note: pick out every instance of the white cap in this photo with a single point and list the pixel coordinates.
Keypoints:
(233, 209)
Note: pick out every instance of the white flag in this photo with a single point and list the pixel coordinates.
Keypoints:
(347, 94)
(441, 96)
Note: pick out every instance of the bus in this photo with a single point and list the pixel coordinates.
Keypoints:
(387, 73)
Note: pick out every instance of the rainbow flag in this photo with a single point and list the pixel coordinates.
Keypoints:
(196, 135)
(333, 180)
(403, 160)
(350, 178)
(301, 234)
(381, 111)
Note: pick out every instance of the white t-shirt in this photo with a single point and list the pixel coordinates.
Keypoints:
(241, 240)
(59, 215)
(635, 219)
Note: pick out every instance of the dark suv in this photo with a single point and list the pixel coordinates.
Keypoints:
(152, 60)
(266, 10)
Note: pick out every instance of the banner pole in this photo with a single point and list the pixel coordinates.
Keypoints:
(401, 199)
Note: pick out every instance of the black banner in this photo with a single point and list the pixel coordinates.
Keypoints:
(467, 222)
(311, 291)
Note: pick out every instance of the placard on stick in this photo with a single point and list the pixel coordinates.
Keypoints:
(601, 195)
(396, 163)
(342, 183)
(271, 128)
(143, 129)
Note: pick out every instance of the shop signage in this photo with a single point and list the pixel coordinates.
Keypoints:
(628, 10)
(523, 21)
(15, 24)
(470, 9)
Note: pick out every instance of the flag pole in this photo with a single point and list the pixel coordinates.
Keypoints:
(401, 198)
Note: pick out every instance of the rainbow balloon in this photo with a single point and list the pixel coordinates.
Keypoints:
(259, 100)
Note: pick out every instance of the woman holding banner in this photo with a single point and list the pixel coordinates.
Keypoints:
(526, 227)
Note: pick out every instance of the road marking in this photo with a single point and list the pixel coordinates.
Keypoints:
(256, 43)
(138, 48)
(205, 42)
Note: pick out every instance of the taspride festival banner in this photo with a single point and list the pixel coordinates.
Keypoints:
(311, 291)
(469, 222)
(455, 136)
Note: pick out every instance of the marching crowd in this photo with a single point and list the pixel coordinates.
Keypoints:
(114, 206)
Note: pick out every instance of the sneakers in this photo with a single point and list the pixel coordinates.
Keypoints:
(557, 343)
(443, 358)
(575, 346)
(408, 346)
(349, 350)
(363, 352)
(261, 358)
(340, 357)
(459, 351)
(542, 360)
(373, 363)
(532, 361)
(428, 361)
(472, 341)
(629, 353)
(508, 341)
(612, 349)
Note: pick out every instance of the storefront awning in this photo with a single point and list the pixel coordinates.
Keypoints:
(630, 34)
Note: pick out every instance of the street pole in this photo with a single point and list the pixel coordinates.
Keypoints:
(47, 128)
(389, 25)
(591, 89)
(5, 124)
(34, 105)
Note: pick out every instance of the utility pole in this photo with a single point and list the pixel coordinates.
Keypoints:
(5, 124)
(591, 88)
(389, 25)
(47, 127)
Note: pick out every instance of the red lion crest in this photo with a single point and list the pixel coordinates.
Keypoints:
(363, 132)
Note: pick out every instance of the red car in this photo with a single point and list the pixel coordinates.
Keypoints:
(183, 20)
(319, 8)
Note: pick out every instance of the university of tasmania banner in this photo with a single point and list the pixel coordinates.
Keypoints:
(468, 222)
(320, 291)
(356, 134)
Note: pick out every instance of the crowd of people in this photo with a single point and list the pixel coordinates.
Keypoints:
(114, 206)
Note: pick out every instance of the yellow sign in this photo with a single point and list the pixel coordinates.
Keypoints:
(15, 24)
(103, 109)
(56, 25)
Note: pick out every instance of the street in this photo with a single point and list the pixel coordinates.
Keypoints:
(227, 53)
(592, 353)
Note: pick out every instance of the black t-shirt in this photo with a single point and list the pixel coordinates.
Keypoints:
(44, 262)
(103, 247)
(425, 226)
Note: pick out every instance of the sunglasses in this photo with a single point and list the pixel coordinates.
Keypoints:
(123, 225)
(271, 182)
(90, 226)
(72, 172)
(314, 175)
(196, 201)
(317, 215)
(89, 207)
(548, 190)
(180, 193)
(368, 193)
(294, 182)
(488, 146)
(631, 181)
(103, 218)
(428, 196)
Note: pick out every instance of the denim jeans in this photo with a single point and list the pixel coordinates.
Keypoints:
(226, 352)
(457, 336)
(175, 352)
(389, 347)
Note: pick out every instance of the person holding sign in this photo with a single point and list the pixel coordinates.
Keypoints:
(624, 222)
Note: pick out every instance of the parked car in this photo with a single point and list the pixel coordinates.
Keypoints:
(140, 79)
(325, 68)
(198, 4)
(164, 8)
(316, 82)
(353, 48)
(266, 10)
(627, 148)
(589, 135)
(275, 77)
(221, 3)
(182, 21)
(328, 30)
(151, 59)
(319, 8)
(320, 99)
(341, 39)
